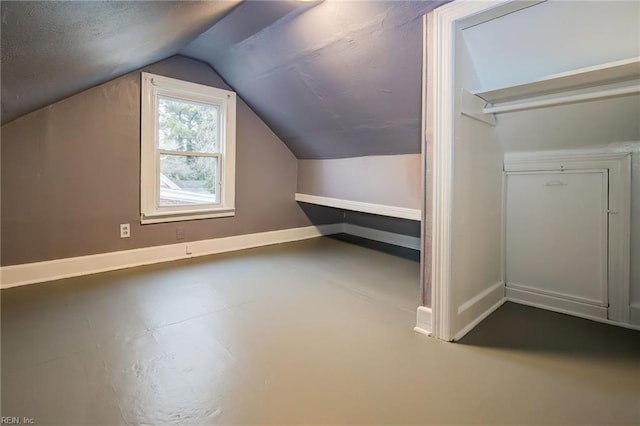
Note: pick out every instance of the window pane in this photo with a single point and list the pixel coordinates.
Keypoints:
(187, 126)
(188, 180)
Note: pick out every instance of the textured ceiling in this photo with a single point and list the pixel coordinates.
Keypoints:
(341, 79)
(54, 49)
(332, 79)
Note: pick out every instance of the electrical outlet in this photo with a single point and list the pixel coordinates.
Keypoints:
(125, 230)
(179, 233)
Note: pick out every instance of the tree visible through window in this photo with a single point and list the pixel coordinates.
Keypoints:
(188, 150)
(188, 127)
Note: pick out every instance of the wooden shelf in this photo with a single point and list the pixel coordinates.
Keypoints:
(612, 72)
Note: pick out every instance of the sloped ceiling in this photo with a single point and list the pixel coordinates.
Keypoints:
(332, 79)
(54, 49)
(341, 79)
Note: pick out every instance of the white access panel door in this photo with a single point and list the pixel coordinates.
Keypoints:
(556, 235)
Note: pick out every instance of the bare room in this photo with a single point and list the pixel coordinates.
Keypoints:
(320, 212)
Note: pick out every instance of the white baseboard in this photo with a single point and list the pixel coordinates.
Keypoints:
(479, 307)
(480, 297)
(556, 304)
(359, 206)
(383, 236)
(30, 273)
(631, 326)
(423, 321)
(634, 314)
(51, 270)
(477, 321)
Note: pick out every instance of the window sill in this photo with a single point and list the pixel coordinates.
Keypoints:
(180, 217)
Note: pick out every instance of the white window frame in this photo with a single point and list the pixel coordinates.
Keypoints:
(154, 86)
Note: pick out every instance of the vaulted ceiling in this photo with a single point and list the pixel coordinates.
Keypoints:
(51, 50)
(332, 79)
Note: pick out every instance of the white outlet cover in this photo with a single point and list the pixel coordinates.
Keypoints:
(125, 230)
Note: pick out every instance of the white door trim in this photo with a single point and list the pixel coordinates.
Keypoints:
(619, 166)
(443, 23)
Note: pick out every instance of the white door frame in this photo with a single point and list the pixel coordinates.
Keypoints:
(442, 25)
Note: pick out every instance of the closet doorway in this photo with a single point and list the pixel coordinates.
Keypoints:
(507, 102)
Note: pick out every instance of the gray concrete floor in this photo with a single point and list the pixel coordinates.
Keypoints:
(313, 332)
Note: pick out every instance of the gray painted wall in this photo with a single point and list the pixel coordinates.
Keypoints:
(384, 223)
(392, 180)
(70, 175)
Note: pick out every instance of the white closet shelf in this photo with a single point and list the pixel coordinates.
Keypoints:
(359, 206)
(612, 72)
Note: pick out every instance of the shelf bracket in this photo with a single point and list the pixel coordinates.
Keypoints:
(473, 107)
